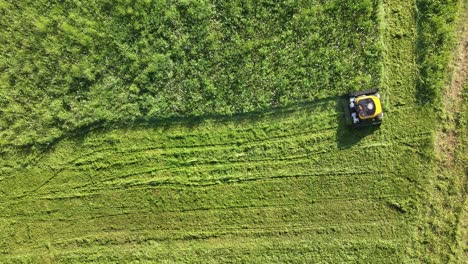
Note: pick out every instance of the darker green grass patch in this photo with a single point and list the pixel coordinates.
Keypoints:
(68, 66)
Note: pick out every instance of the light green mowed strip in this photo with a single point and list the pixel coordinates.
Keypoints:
(292, 184)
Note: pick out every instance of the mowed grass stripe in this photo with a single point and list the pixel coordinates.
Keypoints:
(260, 250)
(308, 215)
(271, 149)
(214, 221)
(212, 176)
(179, 199)
(193, 171)
(340, 231)
(149, 146)
(304, 144)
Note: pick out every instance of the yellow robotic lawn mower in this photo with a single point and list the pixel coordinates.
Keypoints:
(364, 108)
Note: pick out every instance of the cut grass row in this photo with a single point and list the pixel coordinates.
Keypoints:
(303, 182)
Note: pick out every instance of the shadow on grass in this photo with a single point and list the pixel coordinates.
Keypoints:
(346, 136)
(191, 122)
(238, 118)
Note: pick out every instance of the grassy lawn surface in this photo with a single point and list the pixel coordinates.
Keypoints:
(233, 150)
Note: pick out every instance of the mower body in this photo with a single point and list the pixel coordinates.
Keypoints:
(364, 108)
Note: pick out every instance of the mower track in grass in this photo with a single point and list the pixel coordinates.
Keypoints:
(248, 188)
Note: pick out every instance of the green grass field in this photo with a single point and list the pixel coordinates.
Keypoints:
(268, 182)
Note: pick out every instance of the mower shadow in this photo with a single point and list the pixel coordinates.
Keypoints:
(192, 122)
(346, 136)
